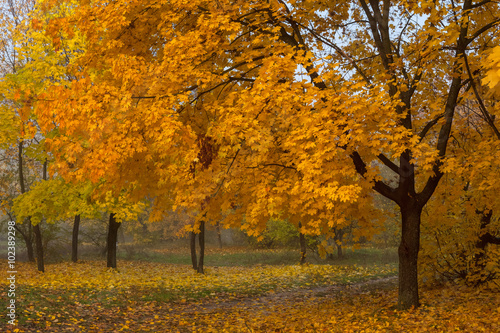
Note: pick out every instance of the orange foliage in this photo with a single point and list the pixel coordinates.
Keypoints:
(252, 110)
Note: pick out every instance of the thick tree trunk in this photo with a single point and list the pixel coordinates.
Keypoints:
(39, 247)
(74, 241)
(192, 243)
(201, 240)
(302, 244)
(408, 256)
(219, 236)
(112, 238)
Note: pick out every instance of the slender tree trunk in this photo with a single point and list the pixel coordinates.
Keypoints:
(38, 233)
(74, 241)
(339, 235)
(219, 236)
(112, 238)
(201, 240)
(20, 167)
(485, 238)
(39, 247)
(28, 239)
(302, 243)
(192, 243)
(481, 242)
(29, 243)
(408, 256)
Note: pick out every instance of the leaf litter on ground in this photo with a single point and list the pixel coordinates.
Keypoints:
(152, 297)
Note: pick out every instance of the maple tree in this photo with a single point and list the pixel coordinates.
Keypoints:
(270, 109)
(19, 130)
(44, 61)
(29, 63)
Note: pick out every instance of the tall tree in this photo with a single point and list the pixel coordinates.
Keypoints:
(13, 134)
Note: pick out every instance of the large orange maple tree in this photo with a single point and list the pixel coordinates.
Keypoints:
(294, 109)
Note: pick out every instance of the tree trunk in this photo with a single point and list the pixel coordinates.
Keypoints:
(219, 236)
(28, 239)
(302, 244)
(201, 240)
(339, 236)
(112, 239)
(408, 256)
(39, 247)
(74, 241)
(192, 243)
(340, 254)
(481, 242)
(29, 248)
(485, 238)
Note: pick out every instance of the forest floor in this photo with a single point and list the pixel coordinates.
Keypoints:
(141, 296)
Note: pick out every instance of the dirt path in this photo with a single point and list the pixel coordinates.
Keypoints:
(291, 296)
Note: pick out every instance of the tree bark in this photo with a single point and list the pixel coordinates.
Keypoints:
(485, 238)
(302, 244)
(74, 241)
(39, 247)
(340, 254)
(482, 242)
(339, 235)
(112, 238)
(201, 241)
(29, 243)
(29, 248)
(37, 231)
(192, 243)
(20, 167)
(219, 236)
(408, 256)
(28, 238)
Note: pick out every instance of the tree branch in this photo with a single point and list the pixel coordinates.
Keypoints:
(479, 4)
(428, 126)
(482, 107)
(482, 30)
(388, 163)
(489, 238)
(378, 185)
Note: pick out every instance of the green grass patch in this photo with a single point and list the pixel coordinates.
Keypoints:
(250, 257)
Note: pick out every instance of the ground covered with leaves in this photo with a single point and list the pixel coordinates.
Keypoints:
(158, 297)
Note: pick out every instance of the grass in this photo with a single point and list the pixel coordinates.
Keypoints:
(244, 256)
